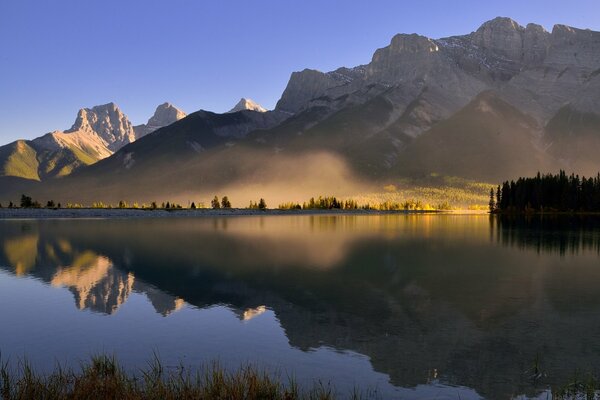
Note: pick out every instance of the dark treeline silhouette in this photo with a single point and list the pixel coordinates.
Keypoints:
(548, 193)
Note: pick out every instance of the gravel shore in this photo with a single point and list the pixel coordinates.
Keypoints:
(44, 213)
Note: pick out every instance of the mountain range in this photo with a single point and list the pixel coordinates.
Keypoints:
(503, 101)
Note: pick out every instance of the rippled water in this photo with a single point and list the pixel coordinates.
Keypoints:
(414, 306)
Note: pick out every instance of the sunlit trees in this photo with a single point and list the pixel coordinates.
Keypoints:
(289, 206)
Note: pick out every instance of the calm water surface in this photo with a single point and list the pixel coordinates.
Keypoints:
(412, 306)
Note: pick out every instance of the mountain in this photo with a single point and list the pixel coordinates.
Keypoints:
(247, 104)
(488, 133)
(96, 134)
(165, 114)
(502, 101)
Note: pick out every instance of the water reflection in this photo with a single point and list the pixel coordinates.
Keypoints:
(469, 301)
(96, 283)
(560, 234)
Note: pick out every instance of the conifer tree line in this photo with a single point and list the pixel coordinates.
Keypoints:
(216, 203)
(321, 203)
(547, 193)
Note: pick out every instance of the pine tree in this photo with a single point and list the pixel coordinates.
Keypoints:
(225, 203)
(215, 203)
(498, 197)
(193, 206)
(262, 205)
(492, 201)
(26, 201)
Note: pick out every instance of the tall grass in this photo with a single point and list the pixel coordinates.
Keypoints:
(103, 378)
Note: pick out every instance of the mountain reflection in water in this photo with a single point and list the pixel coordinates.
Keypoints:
(470, 301)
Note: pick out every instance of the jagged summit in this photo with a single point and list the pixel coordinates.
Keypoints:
(247, 104)
(164, 115)
(97, 133)
(106, 121)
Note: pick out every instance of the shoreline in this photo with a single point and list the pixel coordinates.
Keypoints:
(116, 213)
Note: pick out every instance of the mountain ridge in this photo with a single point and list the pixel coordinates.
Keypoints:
(421, 106)
(97, 133)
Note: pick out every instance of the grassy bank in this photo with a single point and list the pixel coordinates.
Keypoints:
(103, 378)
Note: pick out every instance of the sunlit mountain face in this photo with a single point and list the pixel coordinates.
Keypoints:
(419, 296)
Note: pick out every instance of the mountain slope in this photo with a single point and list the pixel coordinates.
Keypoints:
(573, 136)
(487, 140)
(19, 159)
(96, 134)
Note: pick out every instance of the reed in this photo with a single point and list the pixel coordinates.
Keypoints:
(103, 378)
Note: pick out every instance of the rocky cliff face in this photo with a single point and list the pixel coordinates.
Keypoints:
(247, 105)
(106, 121)
(534, 69)
(310, 84)
(165, 114)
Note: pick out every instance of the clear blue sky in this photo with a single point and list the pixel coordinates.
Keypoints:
(59, 56)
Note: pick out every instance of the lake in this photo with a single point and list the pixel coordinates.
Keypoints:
(410, 306)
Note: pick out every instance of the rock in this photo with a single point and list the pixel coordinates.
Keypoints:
(108, 122)
(247, 104)
(164, 115)
(501, 37)
(310, 84)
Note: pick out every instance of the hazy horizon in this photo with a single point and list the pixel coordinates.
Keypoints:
(59, 58)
